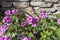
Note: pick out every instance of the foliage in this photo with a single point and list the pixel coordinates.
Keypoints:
(46, 28)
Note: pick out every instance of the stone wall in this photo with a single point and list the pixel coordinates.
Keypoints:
(51, 7)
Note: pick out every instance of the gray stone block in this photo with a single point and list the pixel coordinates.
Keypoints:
(6, 4)
(21, 0)
(51, 1)
(57, 7)
(37, 3)
(49, 10)
(40, 4)
(21, 4)
(36, 0)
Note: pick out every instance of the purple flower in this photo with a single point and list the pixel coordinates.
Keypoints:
(20, 36)
(9, 23)
(29, 18)
(42, 15)
(7, 20)
(35, 20)
(23, 24)
(58, 21)
(3, 28)
(14, 11)
(26, 38)
(8, 12)
(32, 21)
(5, 37)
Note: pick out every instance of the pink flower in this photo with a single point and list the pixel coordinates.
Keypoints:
(42, 14)
(3, 28)
(29, 22)
(23, 24)
(58, 21)
(29, 18)
(5, 37)
(8, 12)
(1, 32)
(14, 11)
(34, 25)
(7, 20)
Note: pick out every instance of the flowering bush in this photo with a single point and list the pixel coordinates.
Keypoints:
(14, 27)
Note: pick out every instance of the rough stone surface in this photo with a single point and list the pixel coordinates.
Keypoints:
(6, 4)
(21, 4)
(21, 0)
(34, 6)
(59, 2)
(36, 0)
(51, 0)
(40, 4)
(37, 9)
(37, 3)
(57, 7)
(29, 11)
(48, 10)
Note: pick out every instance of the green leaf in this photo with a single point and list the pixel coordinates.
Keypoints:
(53, 28)
(58, 15)
(13, 34)
(58, 32)
(14, 18)
(31, 35)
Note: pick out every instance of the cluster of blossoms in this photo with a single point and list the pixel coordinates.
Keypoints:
(7, 21)
(9, 12)
(34, 20)
(23, 38)
(43, 15)
(30, 20)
